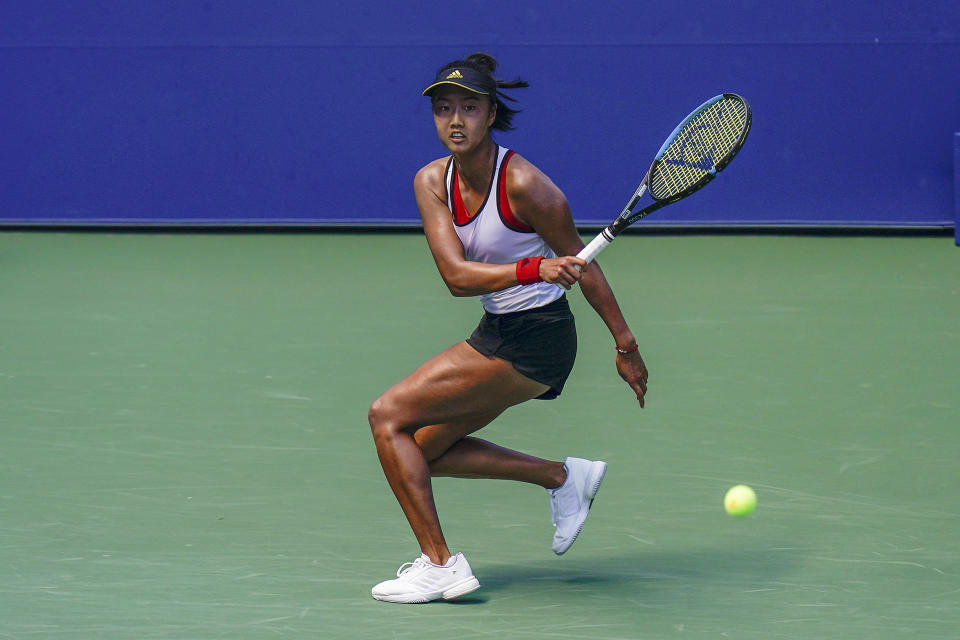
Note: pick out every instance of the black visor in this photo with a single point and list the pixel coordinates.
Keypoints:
(465, 78)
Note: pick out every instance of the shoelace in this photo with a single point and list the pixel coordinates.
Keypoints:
(410, 566)
(554, 508)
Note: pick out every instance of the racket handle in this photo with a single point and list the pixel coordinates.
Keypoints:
(596, 245)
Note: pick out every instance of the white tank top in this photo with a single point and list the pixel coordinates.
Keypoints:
(495, 236)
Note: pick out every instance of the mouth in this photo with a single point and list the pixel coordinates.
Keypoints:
(456, 136)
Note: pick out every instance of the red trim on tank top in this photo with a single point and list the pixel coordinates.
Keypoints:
(461, 216)
(507, 216)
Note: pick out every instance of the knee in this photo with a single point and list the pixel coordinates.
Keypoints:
(384, 418)
(376, 415)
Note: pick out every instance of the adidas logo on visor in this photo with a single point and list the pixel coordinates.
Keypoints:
(455, 74)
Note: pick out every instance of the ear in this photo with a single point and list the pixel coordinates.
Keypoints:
(492, 116)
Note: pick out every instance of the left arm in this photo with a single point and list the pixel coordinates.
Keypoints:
(540, 203)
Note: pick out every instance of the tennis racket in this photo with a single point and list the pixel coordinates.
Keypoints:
(701, 146)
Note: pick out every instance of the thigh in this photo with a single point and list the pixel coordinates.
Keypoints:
(459, 387)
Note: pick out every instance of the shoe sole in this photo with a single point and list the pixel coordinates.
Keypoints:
(469, 585)
(597, 476)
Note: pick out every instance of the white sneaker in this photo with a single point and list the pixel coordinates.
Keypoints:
(570, 502)
(423, 581)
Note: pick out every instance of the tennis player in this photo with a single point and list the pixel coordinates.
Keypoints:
(498, 228)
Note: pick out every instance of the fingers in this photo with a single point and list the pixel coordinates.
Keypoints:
(578, 263)
(569, 270)
(565, 271)
(640, 388)
(639, 385)
(634, 372)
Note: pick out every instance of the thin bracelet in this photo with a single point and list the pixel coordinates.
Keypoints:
(624, 352)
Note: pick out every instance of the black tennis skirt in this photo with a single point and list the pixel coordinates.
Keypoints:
(540, 343)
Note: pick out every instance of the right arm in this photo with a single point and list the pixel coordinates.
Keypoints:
(462, 277)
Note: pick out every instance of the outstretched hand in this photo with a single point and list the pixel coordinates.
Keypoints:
(634, 372)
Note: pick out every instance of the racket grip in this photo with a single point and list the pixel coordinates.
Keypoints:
(596, 245)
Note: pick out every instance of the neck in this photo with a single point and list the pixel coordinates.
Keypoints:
(476, 165)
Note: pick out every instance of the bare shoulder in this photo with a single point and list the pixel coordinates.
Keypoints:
(431, 176)
(430, 190)
(534, 198)
(539, 203)
(527, 184)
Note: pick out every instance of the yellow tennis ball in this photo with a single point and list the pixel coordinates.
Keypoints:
(740, 501)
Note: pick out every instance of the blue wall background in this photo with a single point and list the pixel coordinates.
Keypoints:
(307, 112)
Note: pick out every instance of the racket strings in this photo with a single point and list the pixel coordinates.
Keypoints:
(702, 145)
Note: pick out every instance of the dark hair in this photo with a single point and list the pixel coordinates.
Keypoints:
(487, 64)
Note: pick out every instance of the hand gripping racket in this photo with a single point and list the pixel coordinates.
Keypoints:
(703, 144)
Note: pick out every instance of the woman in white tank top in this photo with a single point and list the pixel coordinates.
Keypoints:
(498, 228)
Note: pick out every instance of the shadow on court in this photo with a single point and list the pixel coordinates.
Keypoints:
(656, 577)
(652, 572)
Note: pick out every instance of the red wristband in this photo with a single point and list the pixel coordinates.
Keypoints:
(635, 347)
(528, 270)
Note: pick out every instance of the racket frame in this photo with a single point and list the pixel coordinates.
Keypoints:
(628, 216)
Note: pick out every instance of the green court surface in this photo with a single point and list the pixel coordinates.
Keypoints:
(184, 450)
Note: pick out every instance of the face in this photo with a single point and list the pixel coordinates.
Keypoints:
(463, 118)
